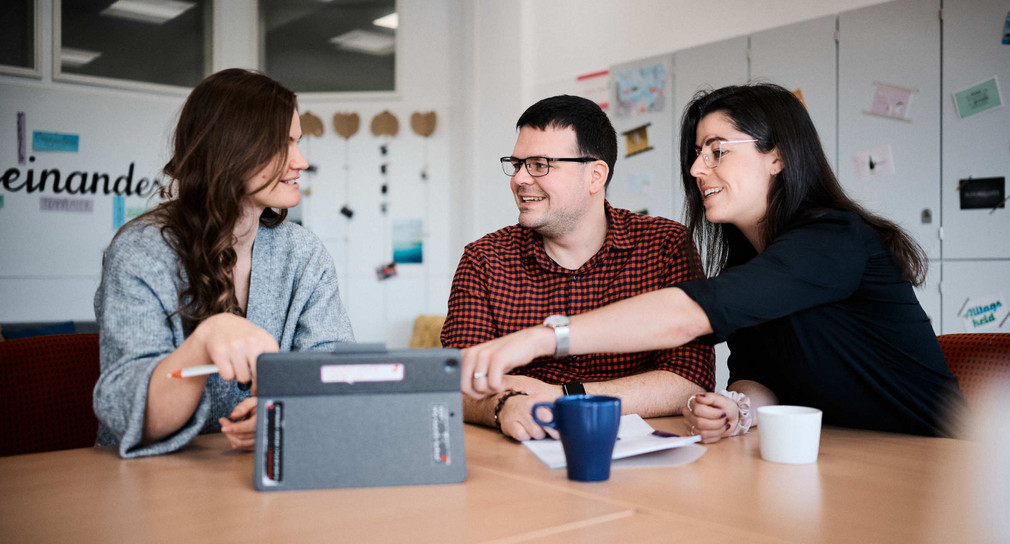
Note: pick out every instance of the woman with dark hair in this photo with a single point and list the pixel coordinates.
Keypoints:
(212, 275)
(812, 292)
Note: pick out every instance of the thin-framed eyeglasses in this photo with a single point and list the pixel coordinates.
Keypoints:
(713, 155)
(537, 166)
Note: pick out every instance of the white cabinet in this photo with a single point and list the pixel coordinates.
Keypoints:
(802, 57)
(896, 44)
(977, 146)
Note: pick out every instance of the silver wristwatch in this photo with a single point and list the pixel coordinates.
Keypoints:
(561, 333)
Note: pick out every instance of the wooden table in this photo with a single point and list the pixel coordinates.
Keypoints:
(865, 487)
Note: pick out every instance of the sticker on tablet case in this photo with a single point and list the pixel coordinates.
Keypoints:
(440, 434)
(352, 374)
(275, 428)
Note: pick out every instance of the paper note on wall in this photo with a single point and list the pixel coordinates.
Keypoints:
(978, 98)
(874, 162)
(984, 313)
(891, 101)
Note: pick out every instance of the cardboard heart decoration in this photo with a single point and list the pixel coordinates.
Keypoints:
(346, 124)
(385, 124)
(311, 125)
(423, 123)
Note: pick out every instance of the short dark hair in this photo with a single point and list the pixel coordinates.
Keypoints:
(804, 189)
(594, 134)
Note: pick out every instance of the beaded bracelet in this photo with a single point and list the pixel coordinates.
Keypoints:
(745, 419)
(501, 404)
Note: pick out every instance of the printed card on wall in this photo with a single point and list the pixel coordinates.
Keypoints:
(408, 241)
(874, 162)
(640, 90)
(984, 313)
(982, 193)
(891, 101)
(978, 98)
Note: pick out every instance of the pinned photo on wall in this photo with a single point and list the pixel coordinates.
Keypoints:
(1006, 30)
(640, 90)
(982, 193)
(984, 313)
(636, 140)
(978, 98)
(874, 163)
(408, 241)
(891, 101)
(596, 87)
(385, 271)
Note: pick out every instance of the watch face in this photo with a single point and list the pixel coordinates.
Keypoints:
(557, 321)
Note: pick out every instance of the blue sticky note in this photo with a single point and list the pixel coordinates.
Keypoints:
(118, 211)
(54, 141)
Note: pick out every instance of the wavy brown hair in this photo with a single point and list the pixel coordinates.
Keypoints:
(805, 189)
(235, 123)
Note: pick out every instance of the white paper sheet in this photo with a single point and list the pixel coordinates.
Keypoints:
(634, 438)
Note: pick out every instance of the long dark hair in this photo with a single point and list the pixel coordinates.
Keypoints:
(804, 189)
(234, 123)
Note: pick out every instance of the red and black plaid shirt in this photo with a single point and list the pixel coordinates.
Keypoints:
(505, 282)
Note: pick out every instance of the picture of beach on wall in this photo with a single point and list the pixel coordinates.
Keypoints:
(408, 241)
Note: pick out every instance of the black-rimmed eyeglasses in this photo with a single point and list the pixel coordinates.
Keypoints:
(536, 166)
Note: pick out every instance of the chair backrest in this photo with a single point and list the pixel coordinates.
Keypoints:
(978, 360)
(46, 390)
(427, 329)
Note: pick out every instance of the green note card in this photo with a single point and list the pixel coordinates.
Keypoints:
(978, 98)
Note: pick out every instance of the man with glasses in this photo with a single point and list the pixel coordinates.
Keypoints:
(571, 252)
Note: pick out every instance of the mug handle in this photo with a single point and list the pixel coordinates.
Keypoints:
(549, 406)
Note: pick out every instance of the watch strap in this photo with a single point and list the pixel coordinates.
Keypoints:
(573, 388)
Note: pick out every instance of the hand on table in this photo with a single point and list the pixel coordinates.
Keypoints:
(516, 415)
(240, 425)
(712, 416)
(516, 419)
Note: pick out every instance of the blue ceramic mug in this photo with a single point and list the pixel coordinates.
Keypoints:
(588, 428)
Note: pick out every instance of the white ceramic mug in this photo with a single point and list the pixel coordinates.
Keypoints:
(789, 434)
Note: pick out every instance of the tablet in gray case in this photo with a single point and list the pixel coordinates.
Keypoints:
(360, 418)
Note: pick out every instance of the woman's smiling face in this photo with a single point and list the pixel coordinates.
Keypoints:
(736, 190)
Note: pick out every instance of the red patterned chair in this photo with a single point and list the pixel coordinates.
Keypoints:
(46, 388)
(977, 360)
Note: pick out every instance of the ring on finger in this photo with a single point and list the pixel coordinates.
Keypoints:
(478, 375)
(690, 399)
(692, 430)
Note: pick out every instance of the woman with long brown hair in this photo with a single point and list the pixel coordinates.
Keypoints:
(212, 275)
(813, 293)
